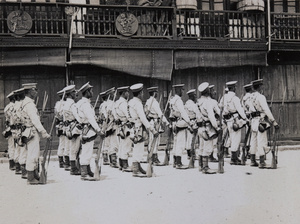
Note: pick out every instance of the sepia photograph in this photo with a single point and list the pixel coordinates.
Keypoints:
(149, 111)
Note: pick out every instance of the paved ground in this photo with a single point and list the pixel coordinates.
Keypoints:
(240, 195)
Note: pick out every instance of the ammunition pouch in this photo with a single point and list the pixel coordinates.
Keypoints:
(88, 134)
(59, 129)
(238, 124)
(109, 132)
(140, 134)
(173, 119)
(210, 131)
(255, 114)
(27, 135)
(73, 130)
(7, 133)
(264, 124)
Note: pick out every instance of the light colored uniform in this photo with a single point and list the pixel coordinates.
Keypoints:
(138, 117)
(232, 105)
(17, 120)
(181, 123)
(227, 142)
(58, 110)
(195, 116)
(154, 113)
(259, 140)
(216, 111)
(70, 115)
(31, 120)
(8, 112)
(206, 108)
(87, 116)
(102, 117)
(121, 113)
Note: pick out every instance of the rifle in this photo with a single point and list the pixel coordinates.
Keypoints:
(220, 144)
(96, 102)
(149, 172)
(246, 146)
(192, 158)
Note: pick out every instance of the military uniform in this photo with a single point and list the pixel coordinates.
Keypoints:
(209, 127)
(8, 113)
(101, 119)
(235, 118)
(31, 121)
(140, 125)
(154, 113)
(226, 138)
(260, 115)
(180, 123)
(58, 111)
(86, 114)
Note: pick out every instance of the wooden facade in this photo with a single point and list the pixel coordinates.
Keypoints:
(215, 43)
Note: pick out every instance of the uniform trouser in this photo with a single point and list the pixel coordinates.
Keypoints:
(151, 140)
(201, 145)
(111, 144)
(138, 152)
(33, 152)
(11, 147)
(17, 153)
(73, 145)
(258, 142)
(189, 138)
(61, 145)
(86, 153)
(179, 142)
(235, 136)
(23, 155)
(215, 144)
(124, 147)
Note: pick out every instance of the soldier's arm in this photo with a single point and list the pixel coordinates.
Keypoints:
(90, 115)
(142, 116)
(239, 108)
(182, 111)
(211, 115)
(32, 112)
(264, 105)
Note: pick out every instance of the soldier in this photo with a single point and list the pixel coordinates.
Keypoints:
(153, 114)
(86, 114)
(71, 119)
(101, 120)
(235, 118)
(59, 128)
(141, 125)
(210, 128)
(195, 117)
(217, 111)
(31, 121)
(260, 117)
(8, 113)
(111, 141)
(123, 130)
(181, 121)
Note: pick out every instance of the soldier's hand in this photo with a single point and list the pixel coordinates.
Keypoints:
(46, 135)
(276, 125)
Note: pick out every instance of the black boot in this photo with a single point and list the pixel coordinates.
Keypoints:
(61, 162)
(18, 169)
(67, 163)
(188, 151)
(36, 173)
(179, 164)
(113, 160)
(141, 169)
(30, 178)
(136, 170)
(206, 169)
(105, 159)
(200, 163)
(12, 165)
(74, 170)
(126, 167)
(226, 153)
(120, 164)
(253, 160)
(212, 158)
(262, 163)
(24, 172)
(234, 159)
(174, 161)
(84, 173)
(90, 173)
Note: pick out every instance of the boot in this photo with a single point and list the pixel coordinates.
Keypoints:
(67, 163)
(206, 169)
(36, 173)
(200, 163)
(18, 169)
(89, 172)
(113, 160)
(212, 158)
(188, 153)
(84, 173)
(30, 178)
(74, 170)
(24, 172)
(12, 165)
(234, 159)
(253, 160)
(226, 153)
(174, 161)
(179, 164)
(105, 159)
(120, 164)
(136, 170)
(126, 167)
(262, 163)
(61, 161)
(141, 169)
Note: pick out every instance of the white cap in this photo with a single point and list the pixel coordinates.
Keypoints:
(231, 83)
(211, 86)
(29, 85)
(85, 87)
(137, 87)
(69, 89)
(11, 94)
(178, 85)
(191, 91)
(203, 86)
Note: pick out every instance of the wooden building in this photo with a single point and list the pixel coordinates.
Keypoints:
(110, 43)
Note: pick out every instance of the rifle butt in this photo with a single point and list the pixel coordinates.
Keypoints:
(221, 166)
(192, 162)
(149, 171)
(274, 162)
(97, 173)
(43, 177)
(166, 159)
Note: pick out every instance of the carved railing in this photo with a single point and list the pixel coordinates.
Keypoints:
(57, 19)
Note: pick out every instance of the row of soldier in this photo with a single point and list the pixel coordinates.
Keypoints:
(126, 124)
